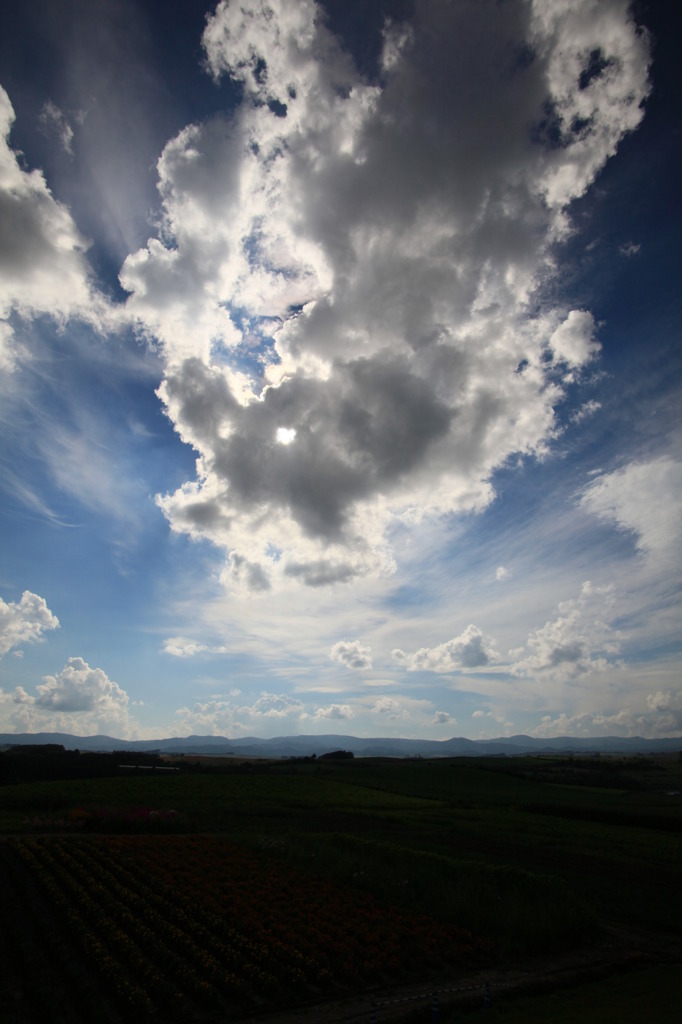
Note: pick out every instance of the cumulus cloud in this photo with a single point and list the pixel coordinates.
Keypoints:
(24, 621)
(335, 711)
(359, 262)
(81, 688)
(218, 716)
(664, 712)
(352, 654)
(577, 641)
(212, 717)
(502, 573)
(493, 716)
(279, 714)
(659, 715)
(644, 498)
(470, 650)
(272, 705)
(573, 341)
(43, 264)
(78, 699)
(390, 707)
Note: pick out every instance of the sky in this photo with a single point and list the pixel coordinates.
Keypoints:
(340, 368)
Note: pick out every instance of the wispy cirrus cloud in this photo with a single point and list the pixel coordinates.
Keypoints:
(52, 120)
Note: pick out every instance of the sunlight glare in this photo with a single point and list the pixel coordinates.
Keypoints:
(285, 435)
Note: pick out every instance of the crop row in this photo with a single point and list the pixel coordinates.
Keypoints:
(177, 922)
(332, 930)
(40, 979)
(149, 950)
(231, 959)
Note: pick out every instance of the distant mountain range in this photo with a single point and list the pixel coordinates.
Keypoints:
(306, 746)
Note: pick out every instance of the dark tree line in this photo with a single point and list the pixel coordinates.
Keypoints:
(48, 761)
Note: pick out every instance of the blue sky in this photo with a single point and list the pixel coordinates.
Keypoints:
(340, 368)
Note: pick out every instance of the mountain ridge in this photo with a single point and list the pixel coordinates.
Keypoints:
(377, 746)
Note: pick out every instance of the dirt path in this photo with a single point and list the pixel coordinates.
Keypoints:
(620, 949)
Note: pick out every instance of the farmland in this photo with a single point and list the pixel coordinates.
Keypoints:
(240, 891)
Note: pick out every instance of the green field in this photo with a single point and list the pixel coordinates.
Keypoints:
(499, 862)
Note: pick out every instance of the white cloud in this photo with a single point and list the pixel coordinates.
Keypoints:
(183, 647)
(220, 717)
(212, 717)
(390, 707)
(358, 262)
(660, 714)
(43, 266)
(335, 711)
(280, 714)
(643, 497)
(352, 654)
(24, 621)
(78, 699)
(597, 67)
(573, 341)
(272, 705)
(81, 688)
(470, 650)
(664, 712)
(578, 641)
(489, 714)
(502, 573)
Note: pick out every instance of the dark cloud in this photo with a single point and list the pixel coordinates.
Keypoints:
(357, 433)
(389, 418)
(567, 652)
(320, 573)
(199, 398)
